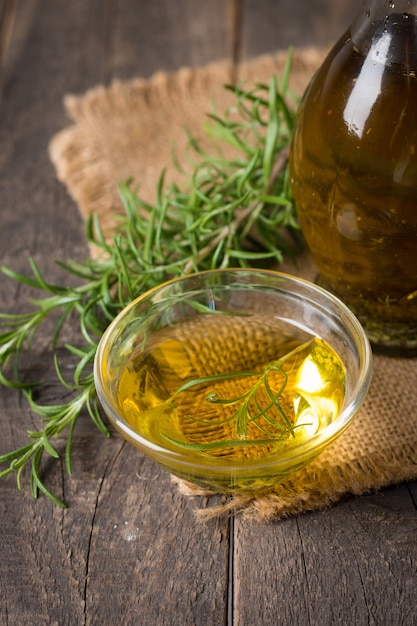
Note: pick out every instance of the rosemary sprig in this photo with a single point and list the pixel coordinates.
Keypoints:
(231, 211)
(249, 410)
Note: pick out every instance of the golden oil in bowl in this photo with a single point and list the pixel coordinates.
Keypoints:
(197, 388)
(233, 379)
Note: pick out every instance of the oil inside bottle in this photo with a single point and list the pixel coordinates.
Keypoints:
(354, 176)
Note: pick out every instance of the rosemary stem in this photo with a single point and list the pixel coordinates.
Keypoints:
(241, 215)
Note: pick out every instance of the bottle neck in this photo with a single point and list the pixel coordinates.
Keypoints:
(386, 30)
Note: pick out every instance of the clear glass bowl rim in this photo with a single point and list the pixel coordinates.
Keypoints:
(318, 441)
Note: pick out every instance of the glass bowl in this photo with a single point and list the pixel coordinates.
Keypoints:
(233, 379)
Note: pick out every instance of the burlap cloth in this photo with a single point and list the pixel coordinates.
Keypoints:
(128, 130)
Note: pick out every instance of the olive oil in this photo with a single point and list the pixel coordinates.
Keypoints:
(229, 390)
(354, 174)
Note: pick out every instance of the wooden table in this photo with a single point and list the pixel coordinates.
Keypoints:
(128, 550)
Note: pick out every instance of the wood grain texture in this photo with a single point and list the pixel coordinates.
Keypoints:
(7, 18)
(160, 35)
(269, 26)
(352, 564)
(128, 550)
(119, 553)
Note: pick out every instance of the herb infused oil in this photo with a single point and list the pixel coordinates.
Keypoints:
(227, 390)
(354, 171)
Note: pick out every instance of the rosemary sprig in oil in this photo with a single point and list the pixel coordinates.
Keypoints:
(231, 211)
(250, 409)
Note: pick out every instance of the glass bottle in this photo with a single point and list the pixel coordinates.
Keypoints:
(353, 169)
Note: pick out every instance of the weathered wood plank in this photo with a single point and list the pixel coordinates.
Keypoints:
(269, 25)
(168, 35)
(127, 550)
(7, 15)
(352, 564)
(149, 555)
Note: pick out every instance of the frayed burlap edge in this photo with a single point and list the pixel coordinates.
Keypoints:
(127, 130)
